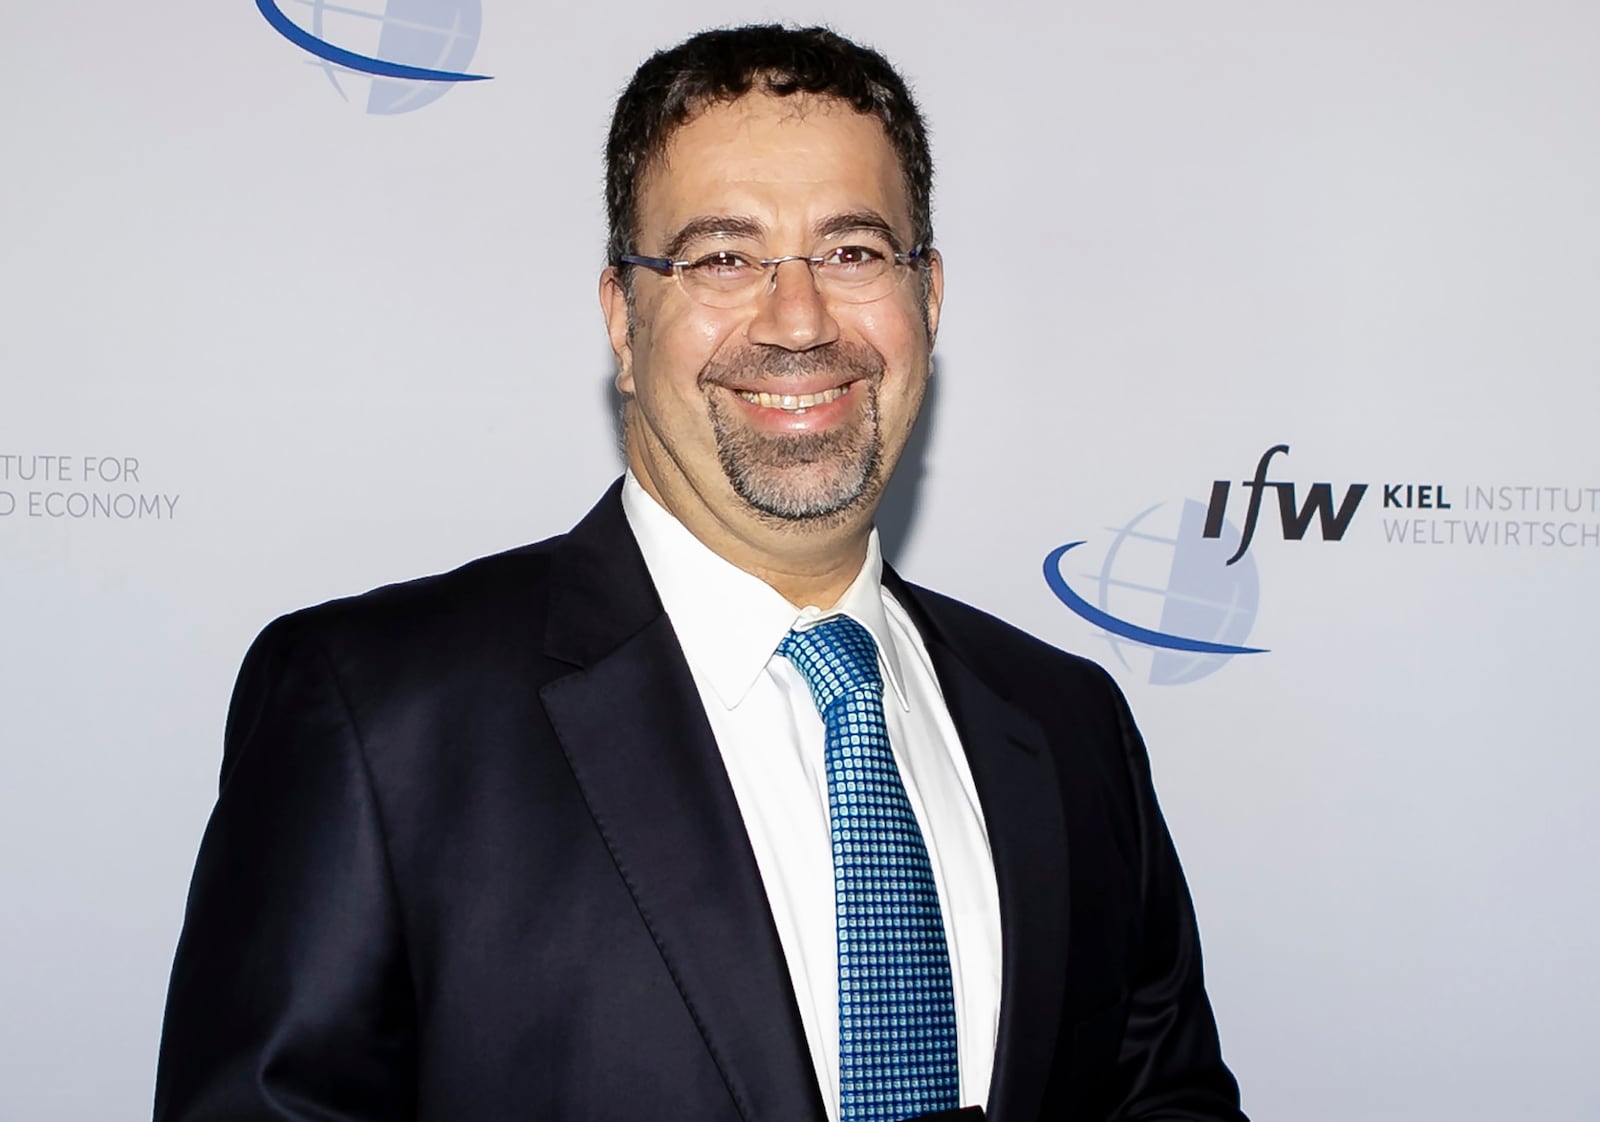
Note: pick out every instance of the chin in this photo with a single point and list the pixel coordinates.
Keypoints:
(780, 496)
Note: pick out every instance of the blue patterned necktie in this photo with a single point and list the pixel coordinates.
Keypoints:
(897, 1018)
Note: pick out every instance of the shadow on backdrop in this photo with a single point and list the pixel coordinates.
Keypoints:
(897, 513)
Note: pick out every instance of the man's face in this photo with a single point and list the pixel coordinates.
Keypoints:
(792, 408)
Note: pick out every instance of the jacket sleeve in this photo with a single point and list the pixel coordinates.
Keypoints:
(290, 996)
(1170, 1061)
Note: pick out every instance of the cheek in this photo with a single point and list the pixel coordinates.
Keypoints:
(672, 349)
(894, 329)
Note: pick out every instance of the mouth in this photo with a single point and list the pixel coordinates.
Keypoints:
(794, 403)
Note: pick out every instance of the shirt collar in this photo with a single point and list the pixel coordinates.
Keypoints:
(730, 622)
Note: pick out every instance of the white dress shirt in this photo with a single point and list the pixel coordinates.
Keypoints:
(729, 624)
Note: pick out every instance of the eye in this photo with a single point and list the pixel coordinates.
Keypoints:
(853, 258)
(721, 265)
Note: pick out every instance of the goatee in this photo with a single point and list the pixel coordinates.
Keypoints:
(800, 477)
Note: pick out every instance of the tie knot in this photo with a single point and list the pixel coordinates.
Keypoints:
(835, 657)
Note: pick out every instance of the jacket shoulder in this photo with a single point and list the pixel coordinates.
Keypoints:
(429, 609)
(473, 630)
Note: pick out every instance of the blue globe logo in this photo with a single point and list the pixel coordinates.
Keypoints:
(1163, 594)
(388, 56)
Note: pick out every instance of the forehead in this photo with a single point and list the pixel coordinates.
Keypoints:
(778, 160)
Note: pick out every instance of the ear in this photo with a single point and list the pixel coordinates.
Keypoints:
(935, 292)
(614, 306)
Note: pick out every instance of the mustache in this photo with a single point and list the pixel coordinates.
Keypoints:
(855, 361)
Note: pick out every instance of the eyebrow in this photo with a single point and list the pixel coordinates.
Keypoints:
(836, 224)
(743, 226)
(712, 226)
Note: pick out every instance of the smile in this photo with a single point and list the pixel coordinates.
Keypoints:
(793, 403)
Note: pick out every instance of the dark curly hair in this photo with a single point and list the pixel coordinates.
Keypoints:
(675, 85)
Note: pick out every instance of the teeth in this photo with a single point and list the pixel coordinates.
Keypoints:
(793, 403)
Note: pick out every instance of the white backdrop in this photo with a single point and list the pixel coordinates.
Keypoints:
(340, 346)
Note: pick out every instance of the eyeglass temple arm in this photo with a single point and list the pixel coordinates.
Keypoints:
(662, 265)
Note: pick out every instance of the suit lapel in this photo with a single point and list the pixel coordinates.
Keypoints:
(1020, 792)
(630, 721)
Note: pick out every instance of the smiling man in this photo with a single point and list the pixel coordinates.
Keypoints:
(769, 399)
(698, 811)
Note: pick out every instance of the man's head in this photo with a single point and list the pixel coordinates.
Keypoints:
(767, 402)
(674, 86)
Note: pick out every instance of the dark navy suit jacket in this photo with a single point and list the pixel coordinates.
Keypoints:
(475, 858)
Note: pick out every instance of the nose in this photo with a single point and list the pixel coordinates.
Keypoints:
(791, 313)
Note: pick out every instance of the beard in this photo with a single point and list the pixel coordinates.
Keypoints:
(801, 477)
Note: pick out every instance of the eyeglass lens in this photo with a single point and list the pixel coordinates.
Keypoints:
(849, 274)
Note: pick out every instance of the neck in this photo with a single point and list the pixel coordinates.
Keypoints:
(820, 581)
(806, 563)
